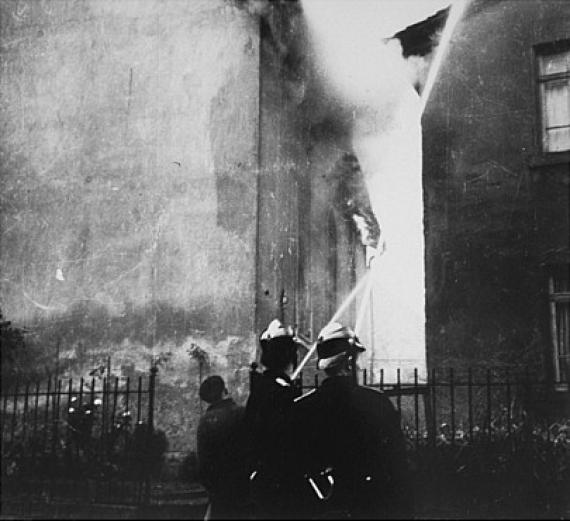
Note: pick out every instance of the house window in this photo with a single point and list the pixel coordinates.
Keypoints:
(554, 86)
(559, 292)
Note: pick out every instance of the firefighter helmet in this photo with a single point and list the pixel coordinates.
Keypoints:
(334, 342)
(278, 346)
(276, 329)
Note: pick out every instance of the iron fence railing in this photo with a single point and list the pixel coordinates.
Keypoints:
(86, 439)
(480, 442)
(474, 438)
(467, 405)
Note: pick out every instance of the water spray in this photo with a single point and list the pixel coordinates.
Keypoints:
(364, 281)
(456, 10)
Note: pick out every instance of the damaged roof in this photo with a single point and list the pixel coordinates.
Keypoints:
(420, 38)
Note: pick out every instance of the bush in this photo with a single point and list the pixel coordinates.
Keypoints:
(189, 468)
(82, 450)
(524, 472)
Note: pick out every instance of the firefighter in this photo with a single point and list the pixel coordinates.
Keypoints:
(267, 417)
(351, 447)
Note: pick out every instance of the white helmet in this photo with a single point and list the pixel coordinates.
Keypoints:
(334, 342)
(276, 329)
(278, 346)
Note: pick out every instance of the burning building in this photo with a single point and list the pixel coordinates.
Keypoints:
(176, 174)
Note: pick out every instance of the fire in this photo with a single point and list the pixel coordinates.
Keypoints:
(368, 77)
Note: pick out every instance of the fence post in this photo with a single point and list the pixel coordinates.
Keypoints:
(431, 402)
(4, 413)
(127, 394)
(470, 401)
(508, 389)
(151, 390)
(114, 410)
(14, 411)
(488, 386)
(55, 416)
(452, 404)
(67, 427)
(428, 413)
(104, 417)
(25, 415)
(36, 409)
(46, 415)
(399, 395)
(150, 426)
(416, 407)
(139, 399)
(528, 409)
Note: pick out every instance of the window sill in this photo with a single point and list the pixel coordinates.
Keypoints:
(549, 159)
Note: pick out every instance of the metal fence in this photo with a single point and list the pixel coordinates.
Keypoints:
(482, 443)
(467, 405)
(90, 440)
(476, 440)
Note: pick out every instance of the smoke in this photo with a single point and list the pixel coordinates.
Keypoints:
(351, 58)
(254, 7)
(352, 199)
(365, 75)
(416, 67)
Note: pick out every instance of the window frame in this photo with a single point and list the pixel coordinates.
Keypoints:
(555, 298)
(541, 50)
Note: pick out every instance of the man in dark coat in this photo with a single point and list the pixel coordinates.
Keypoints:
(350, 443)
(267, 416)
(222, 453)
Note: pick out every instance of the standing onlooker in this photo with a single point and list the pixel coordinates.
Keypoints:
(222, 453)
(351, 447)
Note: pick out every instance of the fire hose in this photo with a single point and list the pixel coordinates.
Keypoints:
(366, 282)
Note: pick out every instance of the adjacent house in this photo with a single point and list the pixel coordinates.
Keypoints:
(496, 156)
(172, 178)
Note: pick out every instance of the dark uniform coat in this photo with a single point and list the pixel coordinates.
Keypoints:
(222, 459)
(268, 419)
(355, 432)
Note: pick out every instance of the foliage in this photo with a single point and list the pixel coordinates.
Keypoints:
(519, 470)
(199, 354)
(11, 340)
(12, 348)
(81, 448)
(189, 468)
(21, 357)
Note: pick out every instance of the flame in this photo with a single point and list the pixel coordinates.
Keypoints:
(361, 72)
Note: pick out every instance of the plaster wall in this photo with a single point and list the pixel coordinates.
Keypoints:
(493, 206)
(128, 189)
